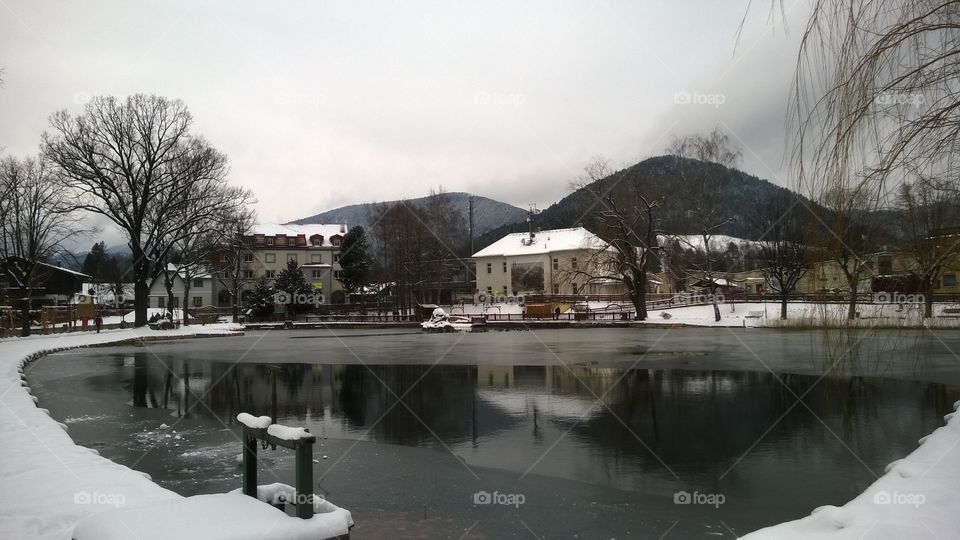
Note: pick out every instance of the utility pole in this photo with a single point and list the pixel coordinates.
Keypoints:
(470, 215)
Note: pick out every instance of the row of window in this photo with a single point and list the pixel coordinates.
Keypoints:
(272, 274)
(315, 240)
(315, 258)
(556, 265)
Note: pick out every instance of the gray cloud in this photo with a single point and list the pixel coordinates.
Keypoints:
(322, 104)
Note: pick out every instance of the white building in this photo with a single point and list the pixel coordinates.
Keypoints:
(555, 261)
(314, 246)
(203, 290)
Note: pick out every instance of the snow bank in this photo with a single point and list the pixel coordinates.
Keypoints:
(254, 422)
(48, 483)
(916, 498)
(227, 516)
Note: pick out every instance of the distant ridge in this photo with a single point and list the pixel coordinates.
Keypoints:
(488, 214)
(661, 174)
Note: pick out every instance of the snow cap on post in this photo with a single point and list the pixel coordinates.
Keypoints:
(254, 422)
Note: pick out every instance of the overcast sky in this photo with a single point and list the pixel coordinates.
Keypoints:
(321, 104)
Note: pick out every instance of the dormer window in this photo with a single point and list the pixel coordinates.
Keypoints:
(335, 240)
(316, 240)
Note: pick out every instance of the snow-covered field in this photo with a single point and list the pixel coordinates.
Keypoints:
(48, 484)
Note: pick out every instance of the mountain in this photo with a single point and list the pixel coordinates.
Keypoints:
(487, 213)
(662, 176)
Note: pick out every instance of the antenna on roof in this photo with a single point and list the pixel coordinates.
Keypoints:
(530, 213)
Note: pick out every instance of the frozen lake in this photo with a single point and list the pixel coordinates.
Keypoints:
(598, 429)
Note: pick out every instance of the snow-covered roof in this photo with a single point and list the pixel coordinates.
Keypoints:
(309, 229)
(543, 242)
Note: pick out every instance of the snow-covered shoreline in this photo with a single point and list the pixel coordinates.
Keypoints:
(917, 498)
(48, 483)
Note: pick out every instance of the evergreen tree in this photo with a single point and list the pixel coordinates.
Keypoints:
(291, 281)
(259, 303)
(354, 260)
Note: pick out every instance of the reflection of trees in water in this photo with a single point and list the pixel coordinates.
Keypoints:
(687, 417)
(442, 402)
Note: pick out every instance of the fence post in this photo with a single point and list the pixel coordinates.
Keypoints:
(304, 465)
(249, 464)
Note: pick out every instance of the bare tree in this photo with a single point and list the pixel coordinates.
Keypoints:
(37, 220)
(780, 223)
(232, 254)
(133, 161)
(930, 222)
(625, 219)
(207, 208)
(704, 164)
(874, 98)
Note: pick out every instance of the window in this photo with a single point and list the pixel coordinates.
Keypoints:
(504, 267)
(573, 263)
(574, 287)
(556, 287)
(197, 301)
(248, 257)
(336, 257)
(269, 241)
(176, 302)
(337, 274)
(317, 274)
(335, 241)
(161, 302)
(489, 268)
(291, 257)
(248, 274)
(270, 257)
(885, 265)
(556, 264)
(198, 283)
(949, 280)
(489, 291)
(270, 274)
(316, 258)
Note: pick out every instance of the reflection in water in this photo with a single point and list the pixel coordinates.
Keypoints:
(634, 429)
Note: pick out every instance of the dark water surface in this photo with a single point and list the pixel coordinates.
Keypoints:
(598, 430)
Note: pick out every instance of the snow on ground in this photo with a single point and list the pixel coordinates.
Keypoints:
(131, 316)
(48, 484)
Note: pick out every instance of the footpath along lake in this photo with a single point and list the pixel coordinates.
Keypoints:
(601, 433)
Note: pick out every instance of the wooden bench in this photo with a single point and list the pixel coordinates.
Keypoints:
(756, 314)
